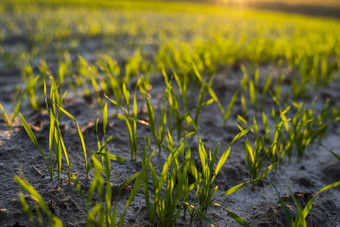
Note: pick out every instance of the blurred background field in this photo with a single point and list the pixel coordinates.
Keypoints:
(215, 35)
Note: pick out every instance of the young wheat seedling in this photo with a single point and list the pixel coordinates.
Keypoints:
(15, 113)
(131, 122)
(158, 136)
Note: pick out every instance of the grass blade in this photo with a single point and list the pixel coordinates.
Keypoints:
(113, 157)
(222, 160)
(235, 188)
(33, 138)
(237, 218)
(79, 132)
(15, 112)
(134, 192)
(5, 115)
(27, 209)
(60, 138)
(242, 133)
(283, 205)
(230, 107)
(54, 221)
(202, 216)
(332, 152)
(105, 119)
(309, 205)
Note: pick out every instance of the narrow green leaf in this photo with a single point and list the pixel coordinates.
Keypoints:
(37, 197)
(26, 207)
(191, 122)
(15, 112)
(145, 181)
(249, 151)
(241, 119)
(5, 115)
(105, 118)
(65, 152)
(32, 136)
(202, 216)
(51, 138)
(79, 132)
(231, 106)
(235, 188)
(252, 92)
(63, 96)
(134, 192)
(284, 118)
(329, 150)
(214, 97)
(242, 133)
(214, 156)
(237, 218)
(309, 205)
(113, 157)
(80, 191)
(283, 205)
(221, 162)
(267, 84)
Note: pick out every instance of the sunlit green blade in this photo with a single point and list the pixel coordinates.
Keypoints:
(283, 205)
(231, 106)
(113, 157)
(222, 160)
(133, 193)
(37, 197)
(26, 207)
(235, 188)
(15, 111)
(63, 96)
(237, 218)
(105, 118)
(202, 216)
(5, 115)
(214, 97)
(333, 153)
(242, 133)
(65, 152)
(249, 151)
(309, 205)
(32, 136)
(79, 132)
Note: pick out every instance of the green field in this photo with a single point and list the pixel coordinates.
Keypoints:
(136, 97)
